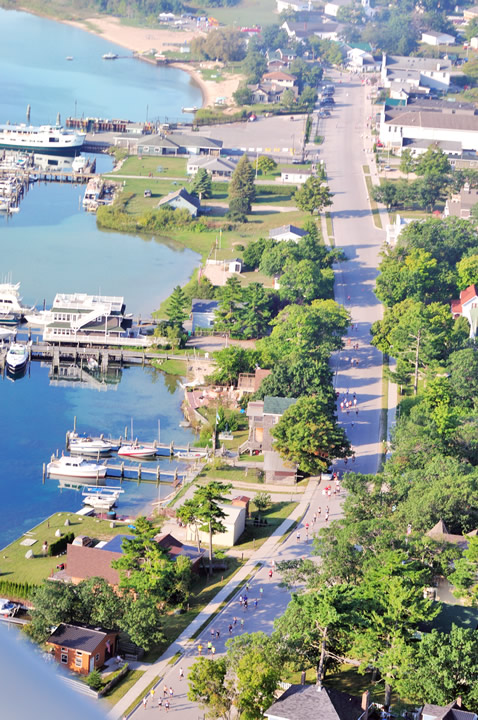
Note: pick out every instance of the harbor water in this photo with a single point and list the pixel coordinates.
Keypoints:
(52, 246)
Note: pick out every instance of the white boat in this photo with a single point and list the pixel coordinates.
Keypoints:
(38, 318)
(191, 455)
(11, 302)
(8, 608)
(67, 466)
(79, 163)
(69, 57)
(17, 357)
(90, 446)
(103, 498)
(44, 139)
(109, 56)
(6, 334)
(137, 451)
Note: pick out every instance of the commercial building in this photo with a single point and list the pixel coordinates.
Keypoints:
(79, 317)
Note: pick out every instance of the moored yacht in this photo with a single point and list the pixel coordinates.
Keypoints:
(67, 466)
(17, 357)
(11, 309)
(90, 446)
(137, 451)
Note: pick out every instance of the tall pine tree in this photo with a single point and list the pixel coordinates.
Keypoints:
(175, 309)
(242, 191)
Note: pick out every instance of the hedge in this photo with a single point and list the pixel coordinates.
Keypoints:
(22, 590)
(59, 546)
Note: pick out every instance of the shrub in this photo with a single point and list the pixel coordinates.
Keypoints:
(94, 680)
(59, 546)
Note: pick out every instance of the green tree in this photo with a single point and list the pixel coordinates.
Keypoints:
(407, 162)
(202, 184)
(227, 317)
(206, 499)
(308, 435)
(443, 666)
(230, 362)
(53, 603)
(175, 309)
(288, 99)
(313, 196)
(387, 194)
(210, 688)
(188, 514)
(303, 281)
(239, 207)
(433, 162)
(255, 313)
(471, 29)
(305, 331)
(467, 271)
(297, 377)
(94, 680)
(224, 44)
(242, 183)
(463, 369)
(242, 96)
(414, 333)
(265, 165)
(262, 501)
(254, 65)
(142, 622)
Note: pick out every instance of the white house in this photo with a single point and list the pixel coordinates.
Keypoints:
(417, 71)
(234, 522)
(279, 78)
(399, 126)
(467, 306)
(332, 8)
(431, 37)
(291, 175)
(394, 229)
(215, 166)
(361, 60)
(292, 5)
(287, 232)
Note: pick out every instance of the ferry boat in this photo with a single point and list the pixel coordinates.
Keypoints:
(17, 357)
(44, 139)
(66, 466)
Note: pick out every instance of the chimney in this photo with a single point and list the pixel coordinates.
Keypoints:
(365, 703)
(438, 66)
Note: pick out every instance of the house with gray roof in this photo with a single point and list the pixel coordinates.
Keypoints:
(178, 144)
(317, 701)
(287, 232)
(203, 313)
(179, 200)
(418, 71)
(215, 166)
(452, 711)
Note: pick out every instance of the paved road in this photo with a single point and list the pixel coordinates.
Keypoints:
(343, 153)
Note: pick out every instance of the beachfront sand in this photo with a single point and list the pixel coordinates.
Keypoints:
(143, 39)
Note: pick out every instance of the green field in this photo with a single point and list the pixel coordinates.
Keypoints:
(167, 165)
(246, 13)
(17, 568)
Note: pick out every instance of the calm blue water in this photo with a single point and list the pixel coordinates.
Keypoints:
(33, 71)
(52, 246)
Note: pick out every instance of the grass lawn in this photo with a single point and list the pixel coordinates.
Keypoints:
(161, 165)
(16, 567)
(203, 591)
(373, 205)
(230, 474)
(253, 537)
(172, 367)
(120, 690)
(261, 12)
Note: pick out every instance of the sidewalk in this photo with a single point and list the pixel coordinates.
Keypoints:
(265, 552)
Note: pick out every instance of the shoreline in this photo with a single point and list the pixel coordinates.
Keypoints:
(138, 40)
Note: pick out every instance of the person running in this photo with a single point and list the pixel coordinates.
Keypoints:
(212, 633)
(152, 694)
(165, 691)
(255, 602)
(230, 628)
(160, 702)
(166, 705)
(246, 604)
(145, 702)
(314, 518)
(213, 650)
(234, 621)
(171, 692)
(199, 649)
(242, 622)
(261, 591)
(355, 402)
(209, 646)
(181, 673)
(298, 536)
(218, 633)
(270, 573)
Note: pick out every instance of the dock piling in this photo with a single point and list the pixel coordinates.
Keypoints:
(43, 474)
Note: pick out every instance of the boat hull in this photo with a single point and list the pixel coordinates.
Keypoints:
(144, 453)
(66, 150)
(92, 474)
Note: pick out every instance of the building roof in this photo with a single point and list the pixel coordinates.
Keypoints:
(464, 200)
(259, 375)
(440, 533)
(183, 193)
(302, 701)
(435, 34)
(452, 711)
(274, 463)
(78, 637)
(87, 562)
(277, 405)
(255, 408)
(419, 64)
(287, 229)
(468, 294)
(425, 102)
(203, 306)
(278, 75)
(438, 120)
(212, 163)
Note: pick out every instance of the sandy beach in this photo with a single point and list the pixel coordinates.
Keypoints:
(143, 39)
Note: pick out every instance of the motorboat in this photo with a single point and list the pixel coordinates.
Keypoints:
(69, 57)
(6, 334)
(17, 357)
(11, 308)
(68, 466)
(39, 318)
(79, 163)
(137, 451)
(109, 56)
(101, 498)
(90, 446)
(8, 608)
(190, 455)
